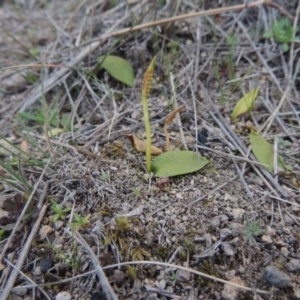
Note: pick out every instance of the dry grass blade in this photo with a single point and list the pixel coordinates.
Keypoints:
(23, 255)
(168, 121)
(191, 271)
(9, 241)
(110, 294)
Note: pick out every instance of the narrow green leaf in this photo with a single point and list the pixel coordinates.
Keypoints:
(118, 68)
(175, 163)
(244, 104)
(264, 151)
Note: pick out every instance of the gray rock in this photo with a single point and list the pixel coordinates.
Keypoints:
(228, 250)
(119, 276)
(293, 265)
(19, 290)
(225, 233)
(215, 223)
(63, 296)
(276, 277)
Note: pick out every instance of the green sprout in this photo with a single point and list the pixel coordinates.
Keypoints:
(282, 32)
(80, 222)
(251, 231)
(59, 213)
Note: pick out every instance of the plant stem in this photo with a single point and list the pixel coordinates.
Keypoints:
(145, 94)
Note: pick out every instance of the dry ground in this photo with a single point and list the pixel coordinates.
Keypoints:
(233, 221)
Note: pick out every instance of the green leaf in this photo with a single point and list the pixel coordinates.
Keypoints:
(118, 68)
(175, 163)
(244, 104)
(264, 151)
(268, 34)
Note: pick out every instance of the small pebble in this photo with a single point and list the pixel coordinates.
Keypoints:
(19, 290)
(285, 251)
(225, 233)
(288, 220)
(267, 239)
(202, 137)
(215, 223)
(238, 213)
(276, 277)
(98, 296)
(63, 296)
(119, 276)
(293, 265)
(297, 293)
(45, 264)
(228, 250)
(231, 292)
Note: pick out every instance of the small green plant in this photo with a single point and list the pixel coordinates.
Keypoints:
(71, 258)
(59, 213)
(282, 32)
(173, 276)
(131, 272)
(31, 78)
(2, 232)
(231, 42)
(251, 232)
(49, 116)
(105, 177)
(137, 191)
(122, 223)
(80, 222)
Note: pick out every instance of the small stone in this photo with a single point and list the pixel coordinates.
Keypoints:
(225, 233)
(238, 213)
(226, 196)
(119, 276)
(181, 227)
(44, 231)
(228, 250)
(15, 83)
(231, 292)
(98, 296)
(63, 296)
(161, 284)
(288, 220)
(224, 219)
(293, 265)
(285, 251)
(270, 231)
(276, 277)
(45, 264)
(58, 224)
(135, 114)
(215, 223)
(267, 239)
(182, 275)
(297, 293)
(19, 290)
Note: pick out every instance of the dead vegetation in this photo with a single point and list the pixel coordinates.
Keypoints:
(80, 216)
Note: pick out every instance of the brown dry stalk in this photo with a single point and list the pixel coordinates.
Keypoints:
(168, 121)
